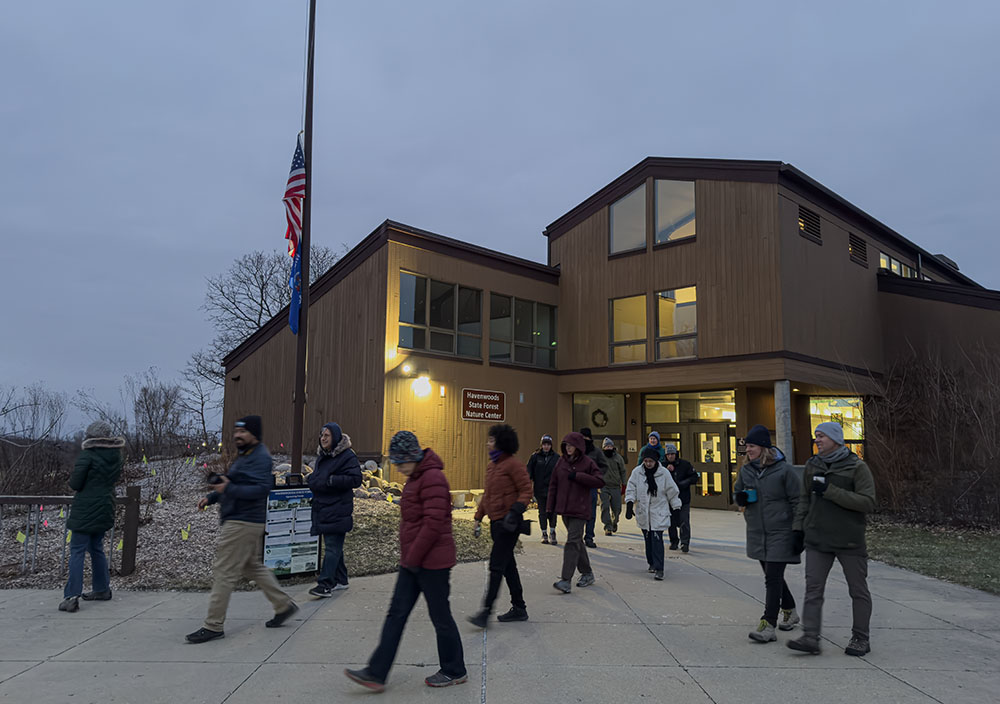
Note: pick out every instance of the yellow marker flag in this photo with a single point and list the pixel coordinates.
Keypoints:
(62, 513)
(69, 534)
(159, 499)
(21, 537)
(121, 543)
(152, 472)
(185, 533)
(144, 460)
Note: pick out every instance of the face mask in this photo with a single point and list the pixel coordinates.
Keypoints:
(609, 453)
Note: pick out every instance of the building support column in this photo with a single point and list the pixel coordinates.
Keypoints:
(783, 418)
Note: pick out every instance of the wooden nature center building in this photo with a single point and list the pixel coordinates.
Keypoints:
(696, 297)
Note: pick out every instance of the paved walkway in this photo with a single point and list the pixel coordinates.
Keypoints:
(624, 639)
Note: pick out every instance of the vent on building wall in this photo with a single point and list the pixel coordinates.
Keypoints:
(809, 224)
(858, 249)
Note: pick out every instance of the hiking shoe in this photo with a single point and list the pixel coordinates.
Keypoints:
(340, 587)
(70, 604)
(552, 538)
(564, 586)
(365, 678)
(658, 575)
(97, 596)
(515, 614)
(789, 620)
(439, 679)
(586, 580)
(805, 644)
(545, 539)
(589, 542)
(203, 635)
(322, 591)
(480, 619)
(283, 616)
(673, 546)
(650, 569)
(764, 632)
(684, 547)
(858, 647)
(607, 532)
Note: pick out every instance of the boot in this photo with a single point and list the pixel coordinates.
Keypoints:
(805, 644)
(97, 596)
(858, 647)
(552, 538)
(515, 614)
(480, 619)
(789, 620)
(764, 633)
(70, 605)
(564, 586)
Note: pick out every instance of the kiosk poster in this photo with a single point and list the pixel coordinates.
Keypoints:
(288, 547)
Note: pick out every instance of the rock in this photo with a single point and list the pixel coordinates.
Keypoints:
(360, 493)
(377, 494)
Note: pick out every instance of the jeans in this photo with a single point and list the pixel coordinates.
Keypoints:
(544, 517)
(776, 593)
(575, 555)
(654, 548)
(334, 571)
(611, 507)
(435, 586)
(680, 520)
(503, 566)
(855, 567)
(589, 535)
(79, 545)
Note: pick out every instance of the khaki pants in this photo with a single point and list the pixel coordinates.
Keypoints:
(575, 552)
(818, 565)
(238, 555)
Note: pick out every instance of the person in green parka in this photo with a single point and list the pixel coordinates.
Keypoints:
(93, 513)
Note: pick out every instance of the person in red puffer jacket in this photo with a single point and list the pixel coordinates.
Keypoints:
(427, 554)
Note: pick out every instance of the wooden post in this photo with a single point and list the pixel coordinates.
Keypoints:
(130, 533)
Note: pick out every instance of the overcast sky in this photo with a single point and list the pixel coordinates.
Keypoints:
(145, 145)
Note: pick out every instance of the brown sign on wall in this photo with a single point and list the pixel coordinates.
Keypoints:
(478, 404)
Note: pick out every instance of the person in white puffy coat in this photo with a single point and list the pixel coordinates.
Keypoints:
(650, 496)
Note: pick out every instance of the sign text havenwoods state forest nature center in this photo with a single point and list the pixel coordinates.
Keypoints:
(482, 405)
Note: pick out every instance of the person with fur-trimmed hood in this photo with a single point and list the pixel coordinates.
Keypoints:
(92, 514)
(569, 496)
(650, 496)
(333, 481)
(504, 500)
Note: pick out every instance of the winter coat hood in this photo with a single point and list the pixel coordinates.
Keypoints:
(576, 440)
(94, 443)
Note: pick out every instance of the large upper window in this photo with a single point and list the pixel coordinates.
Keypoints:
(628, 222)
(674, 211)
(676, 323)
(523, 332)
(439, 316)
(628, 330)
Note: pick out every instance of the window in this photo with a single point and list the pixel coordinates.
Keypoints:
(674, 211)
(809, 225)
(886, 261)
(628, 222)
(628, 330)
(858, 249)
(848, 411)
(439, 316)
(523, 332)
(676, 324)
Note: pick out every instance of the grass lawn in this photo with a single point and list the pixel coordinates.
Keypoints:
(959, 556)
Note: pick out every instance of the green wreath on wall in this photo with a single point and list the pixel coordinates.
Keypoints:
(599, 418)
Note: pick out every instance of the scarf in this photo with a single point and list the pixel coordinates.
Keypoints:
(609, 453)
(495, 455)
(840, 453)
(651, 480)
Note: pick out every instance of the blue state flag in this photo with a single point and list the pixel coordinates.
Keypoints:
(295, 284)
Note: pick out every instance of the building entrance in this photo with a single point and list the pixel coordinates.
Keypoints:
(711, 449)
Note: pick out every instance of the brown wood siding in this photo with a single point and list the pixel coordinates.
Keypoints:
(733, 261)
(937, 328)
(345, 365)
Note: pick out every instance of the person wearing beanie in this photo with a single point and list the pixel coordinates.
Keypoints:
(505, 499)
(767, 491)
(653, 441)
(611, 492)
(838, 492)
(242, 494)
(333, 480)
(92, 513)
(574, 477)
(650, 496)
(684, 476)
(602, 464)
(426, 556)
(540, 466)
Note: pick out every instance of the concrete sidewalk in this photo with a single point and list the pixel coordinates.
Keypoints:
(625, 638)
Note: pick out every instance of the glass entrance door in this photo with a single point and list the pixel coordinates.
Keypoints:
(709, 448)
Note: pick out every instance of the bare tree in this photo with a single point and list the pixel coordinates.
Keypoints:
(200, 399)
(31, 458)
(157, 411)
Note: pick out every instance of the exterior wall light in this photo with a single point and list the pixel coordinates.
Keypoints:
(442, 391)
(421, 386)
(407, 368)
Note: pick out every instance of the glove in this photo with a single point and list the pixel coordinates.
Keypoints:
(411, 570)
(519, 507)
(741, 498)
(478, 530)
(798, 541)
(629, 513)
(572, 476)
(819, 485)
(512, 521)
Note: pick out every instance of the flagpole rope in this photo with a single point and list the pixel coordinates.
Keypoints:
(305, 61)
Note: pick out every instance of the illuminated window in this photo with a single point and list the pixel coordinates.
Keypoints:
(628, 222)
(439, 317)
(522, 332)
(674, 211)
(676, 323)
(628, 330)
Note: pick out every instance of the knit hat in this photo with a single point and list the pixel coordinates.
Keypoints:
(608, 442)
(670, 448)
(759, 436)
(404, 447)
(651, 453)
(585, 432)
(102, 429)
(834, 431)
(546, 438)
(253, 425)
(654, 434)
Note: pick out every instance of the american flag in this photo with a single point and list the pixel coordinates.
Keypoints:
(295, 193)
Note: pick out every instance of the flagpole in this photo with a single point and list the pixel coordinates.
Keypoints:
(299, 397)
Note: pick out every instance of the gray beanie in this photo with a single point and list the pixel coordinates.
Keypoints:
(608, 442)
(404, 447)
(99, 429)
(834, 431)
(670, 449)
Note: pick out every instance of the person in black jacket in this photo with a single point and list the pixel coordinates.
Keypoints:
(336, 476)
(602, 464)
(680, 520)
(540, 466)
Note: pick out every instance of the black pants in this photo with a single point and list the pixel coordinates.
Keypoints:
(589, 534)
(545, 519)
(503, 566)
(435, 586)
(680, 521)
(654, 548)
(776, 593)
